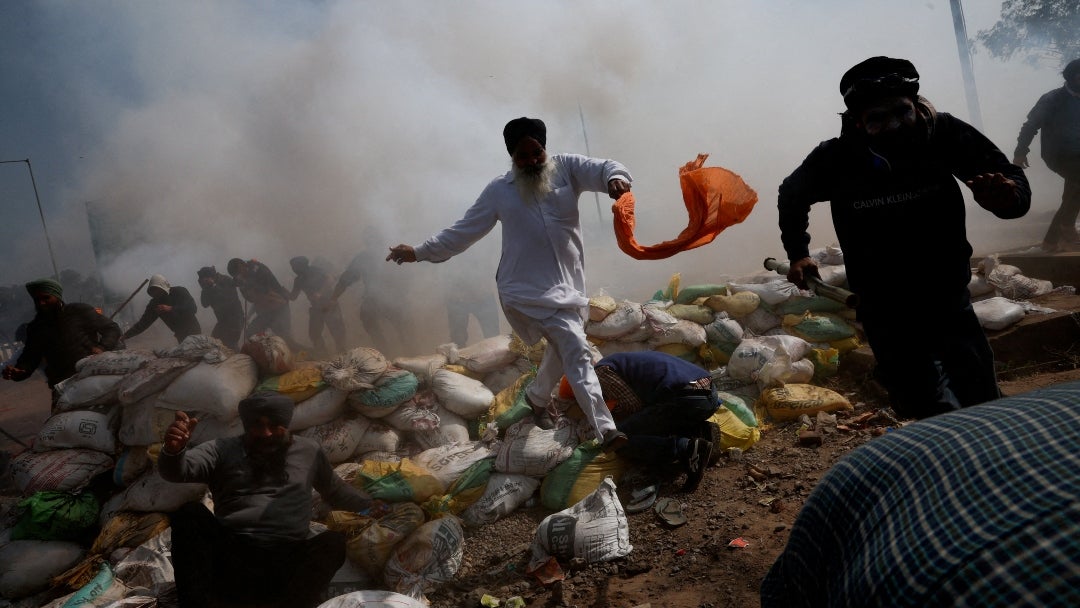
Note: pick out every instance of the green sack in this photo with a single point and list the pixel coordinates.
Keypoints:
(51, 515)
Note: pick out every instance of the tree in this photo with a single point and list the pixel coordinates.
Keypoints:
(1038, 30)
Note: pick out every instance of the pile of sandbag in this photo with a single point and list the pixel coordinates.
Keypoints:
(446, 438)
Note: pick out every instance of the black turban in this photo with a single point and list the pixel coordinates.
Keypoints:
(277, 408)
(1071, 70)
(520, 128)
(878, 77)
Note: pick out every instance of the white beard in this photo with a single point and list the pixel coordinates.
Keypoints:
(536, 184)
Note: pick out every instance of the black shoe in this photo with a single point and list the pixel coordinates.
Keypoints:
(613, 440)
(696, 460)
(543, 420)
(541, 417)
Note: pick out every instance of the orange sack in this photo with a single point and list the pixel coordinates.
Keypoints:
(715, 198)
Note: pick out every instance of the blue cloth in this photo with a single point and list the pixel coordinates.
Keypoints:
(654, 376)
(978, 507)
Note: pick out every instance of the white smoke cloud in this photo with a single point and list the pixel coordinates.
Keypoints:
(273, 129)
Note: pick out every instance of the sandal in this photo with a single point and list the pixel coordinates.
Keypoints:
(670, 512)
(643, 497)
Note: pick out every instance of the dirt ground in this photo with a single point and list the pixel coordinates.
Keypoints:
(755, 498)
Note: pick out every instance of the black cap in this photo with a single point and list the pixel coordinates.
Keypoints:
(878, 77)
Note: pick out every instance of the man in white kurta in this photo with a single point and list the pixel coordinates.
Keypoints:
(541, 275)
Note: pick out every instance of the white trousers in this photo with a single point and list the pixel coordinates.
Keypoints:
(567, 353)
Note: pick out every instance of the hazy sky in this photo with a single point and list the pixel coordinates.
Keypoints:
(271, 129)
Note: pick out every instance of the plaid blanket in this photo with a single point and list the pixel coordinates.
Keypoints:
(979, 507)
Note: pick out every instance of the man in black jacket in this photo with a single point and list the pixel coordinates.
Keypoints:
(1057, 115)
(259, 286)
(317, 285)
(219, 294)
(173, 305)
(899, 215)
(61, 334)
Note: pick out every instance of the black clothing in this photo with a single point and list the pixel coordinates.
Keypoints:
(1057, 116)
(906, 212)
(259, 286)
(63, 339)
(181, 319)
(212, 561)
(318, 286)
(221, 297)
(898, 212)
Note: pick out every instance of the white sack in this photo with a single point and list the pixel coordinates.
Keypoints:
(338, 438)
(152, 494)
(321, 408)
(60, 470)
(595, 529)
(376, 437)
(151, 378)
(372, 598)
(213, 388)
(505, 492)
(997, 313)
(423, 366)
(527, 449)
(89, 429)
(149, 567)
(627, 317)
(486, 355)
(78, 392)
(27, 566)
(356, 369)
(451, 429)
(771, 293)
(461, 394)
(430, 556)
(753, 353)
(112, 363)
(448, 462)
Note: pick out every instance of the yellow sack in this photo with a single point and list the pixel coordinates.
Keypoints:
(403, 481)
(600, 307)
(736, 305)
(713, 356)
(733, 432)
(369, 542)
(702, 315)
(790, 401)
(846, 345)
(533, 353)
(578, 476)
(509, 405)
(299, 384)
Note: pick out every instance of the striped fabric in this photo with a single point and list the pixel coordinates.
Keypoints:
(979, 507)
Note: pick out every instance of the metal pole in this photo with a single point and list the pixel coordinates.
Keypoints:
(966, 69)
(599, 215)
(48, 241)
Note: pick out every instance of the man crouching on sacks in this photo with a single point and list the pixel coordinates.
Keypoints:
(255, 546)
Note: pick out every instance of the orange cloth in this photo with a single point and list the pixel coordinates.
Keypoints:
(714, 197)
